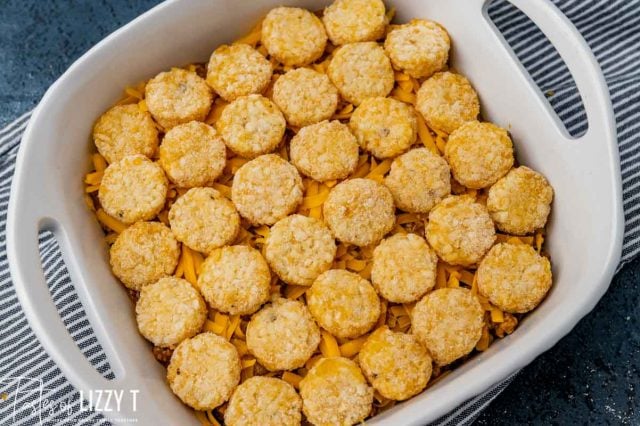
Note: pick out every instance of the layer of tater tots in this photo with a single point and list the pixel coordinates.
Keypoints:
(293, 228)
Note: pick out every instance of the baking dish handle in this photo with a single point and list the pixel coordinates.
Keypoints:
(24, 222)
(583, 66)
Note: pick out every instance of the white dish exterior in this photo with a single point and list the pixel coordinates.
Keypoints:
(585, 230)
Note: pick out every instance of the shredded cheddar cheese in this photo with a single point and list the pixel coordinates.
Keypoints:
(329, 346)
(110, 222)
(292, 378)
(295, 291)
(352, 347)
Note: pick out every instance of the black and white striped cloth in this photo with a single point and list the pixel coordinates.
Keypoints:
(33, 391)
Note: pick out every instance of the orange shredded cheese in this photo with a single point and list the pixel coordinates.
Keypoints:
(236, 162)
(110, 222)
(441, 278)
(295, 291)
(356, 265)
(241, 346)
(328, 345)
(99, 163)
(405, 218)
(484, 341)
(497, 315)
(214, 327)
(402, 95)
(189, 266)
(223, 189)
(312, 361)
(246, 363)
(134, 93)
(234, 322)
(352, 347)
(345, 112)
(381, 169)
(401, 76)
(292, 378)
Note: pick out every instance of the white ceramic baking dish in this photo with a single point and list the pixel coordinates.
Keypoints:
(585, 229)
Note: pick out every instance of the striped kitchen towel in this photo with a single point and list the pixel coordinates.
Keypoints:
(33, 391)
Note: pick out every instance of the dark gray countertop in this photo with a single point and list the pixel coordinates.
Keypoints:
(591, 376)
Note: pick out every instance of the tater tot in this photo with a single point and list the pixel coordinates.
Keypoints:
(404, 268)
(447, 101)
(238, 70)
(334, 392)
(178, 96)
(266, 189)
(143, 253)
(361, 71)
(283, 335)
(351, 21)
(384, 126)
(251, 126)
(204, 371)
(192, 154)
(418, 180)
(520, 202)
(396, 364)
(305, 96)
(125, 130)
(479, 154)
(448, 322)
(264, 401)
(359, 211)
(421, 48)
(294, 36)
(235, 279)
(204, 219)
(299, 248)
(169, 311)
(324, 151)
(514, 277)
(133, 189)
(343, 303)
(460, 230)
